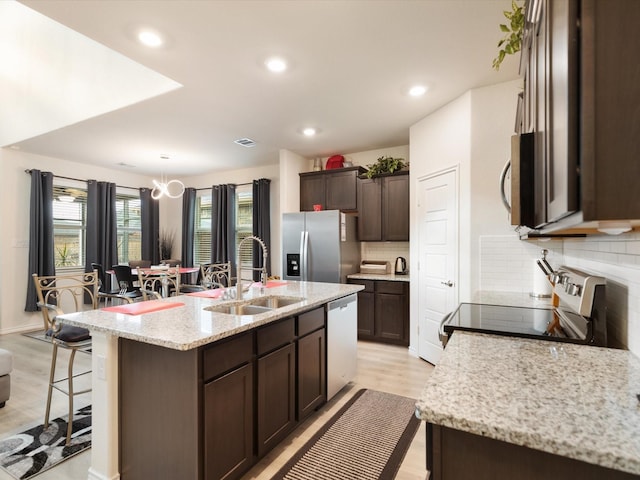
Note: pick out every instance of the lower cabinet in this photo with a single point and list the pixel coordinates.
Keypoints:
(210, 413)
(456, 455)
(228, 424)
(276, 397)
(383, 311)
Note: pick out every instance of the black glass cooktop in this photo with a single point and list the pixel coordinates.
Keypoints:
(518, 321)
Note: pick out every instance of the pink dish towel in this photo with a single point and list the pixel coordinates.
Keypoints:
(143, 307)
(213, 293)
(270, 283)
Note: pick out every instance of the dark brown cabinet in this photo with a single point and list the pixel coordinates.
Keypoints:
(485, 458)
(211, 412)
(312, 362)
(383, 311)
(579, 103)
(333, 189)
(228, 424)
(383, 208)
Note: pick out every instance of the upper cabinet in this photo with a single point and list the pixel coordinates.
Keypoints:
(383, 208)
(579, 119)
(332, 189)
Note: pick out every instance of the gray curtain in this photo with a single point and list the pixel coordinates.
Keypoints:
(223, 225)
(261, 224)
(41, 252)
(150, 219)
(188, 225)
(102, 234)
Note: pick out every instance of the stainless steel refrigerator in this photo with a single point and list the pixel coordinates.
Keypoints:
(319, 246)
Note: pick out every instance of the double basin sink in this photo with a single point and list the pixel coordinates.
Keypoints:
(255, 306)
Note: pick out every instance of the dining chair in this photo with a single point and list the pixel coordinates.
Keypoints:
(105, 283)
(210, 275)
(172, 262)
(125, 282)
(59, 294)
(156, 283)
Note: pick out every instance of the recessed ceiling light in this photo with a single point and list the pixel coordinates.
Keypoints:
(150, 39)
(309, 132)
(417, 90)
(276, 65)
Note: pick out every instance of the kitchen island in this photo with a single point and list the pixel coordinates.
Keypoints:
(502, 407)
(191, 392)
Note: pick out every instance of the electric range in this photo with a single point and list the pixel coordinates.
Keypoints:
(579, 314)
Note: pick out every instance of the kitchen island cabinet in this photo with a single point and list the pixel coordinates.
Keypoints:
(193, 394)
(501, 407)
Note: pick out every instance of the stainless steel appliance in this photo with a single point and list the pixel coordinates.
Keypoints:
(580, 316)
(319, 246)
(401, 266)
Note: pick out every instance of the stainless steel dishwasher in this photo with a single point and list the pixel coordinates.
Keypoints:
(342, 343)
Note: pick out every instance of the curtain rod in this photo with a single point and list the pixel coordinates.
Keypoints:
(28, 171)
(132, 188)
(236, 184)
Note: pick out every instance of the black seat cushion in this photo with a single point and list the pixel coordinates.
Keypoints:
(70, 334)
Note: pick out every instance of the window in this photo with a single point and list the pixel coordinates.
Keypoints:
(69, 226)
(204, 217)
(202, 230)
(129, 227)
(244, 226)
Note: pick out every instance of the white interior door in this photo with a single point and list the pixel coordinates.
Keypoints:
(438, 254)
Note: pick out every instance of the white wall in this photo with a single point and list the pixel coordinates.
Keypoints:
(14, 205)
(472, 134)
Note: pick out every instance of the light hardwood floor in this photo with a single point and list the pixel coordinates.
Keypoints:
(380, 367)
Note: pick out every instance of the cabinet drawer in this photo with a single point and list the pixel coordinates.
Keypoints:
(273, 336)
(226, 355)
(390, 287)
(368, 284)
(310, 321)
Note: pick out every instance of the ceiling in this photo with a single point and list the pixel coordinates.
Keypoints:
(350, 66)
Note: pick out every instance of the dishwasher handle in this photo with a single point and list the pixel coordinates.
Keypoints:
(342, 303)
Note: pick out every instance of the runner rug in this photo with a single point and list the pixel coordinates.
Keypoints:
(366, 440)
(33, 451)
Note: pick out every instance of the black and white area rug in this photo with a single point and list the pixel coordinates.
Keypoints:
(33, 451)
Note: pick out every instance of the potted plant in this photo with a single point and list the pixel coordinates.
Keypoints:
(386, 164)
(512, 41)
(166, 244)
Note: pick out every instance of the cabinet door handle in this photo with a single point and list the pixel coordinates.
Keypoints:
(448, 283)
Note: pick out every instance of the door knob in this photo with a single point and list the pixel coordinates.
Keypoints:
(448, 283)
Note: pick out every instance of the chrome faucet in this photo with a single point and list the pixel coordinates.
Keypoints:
(263, 268)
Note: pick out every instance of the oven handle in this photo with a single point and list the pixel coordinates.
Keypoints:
(443, 336)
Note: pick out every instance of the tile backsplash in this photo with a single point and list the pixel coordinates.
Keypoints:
(388, 251)
(507, 264)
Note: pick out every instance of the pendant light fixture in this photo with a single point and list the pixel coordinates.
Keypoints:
(172, 188)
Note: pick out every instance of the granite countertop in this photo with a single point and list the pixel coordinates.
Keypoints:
(392, 277)
(571, 400)
(513, 299)
(190, 325)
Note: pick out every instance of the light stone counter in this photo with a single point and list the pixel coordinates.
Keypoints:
(571, 400)
(190, 326)
(390, 277)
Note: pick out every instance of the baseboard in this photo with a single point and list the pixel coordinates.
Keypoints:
(22, 328)
(93, 475)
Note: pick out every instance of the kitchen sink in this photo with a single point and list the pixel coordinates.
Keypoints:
(275, 301)
(242, 309)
